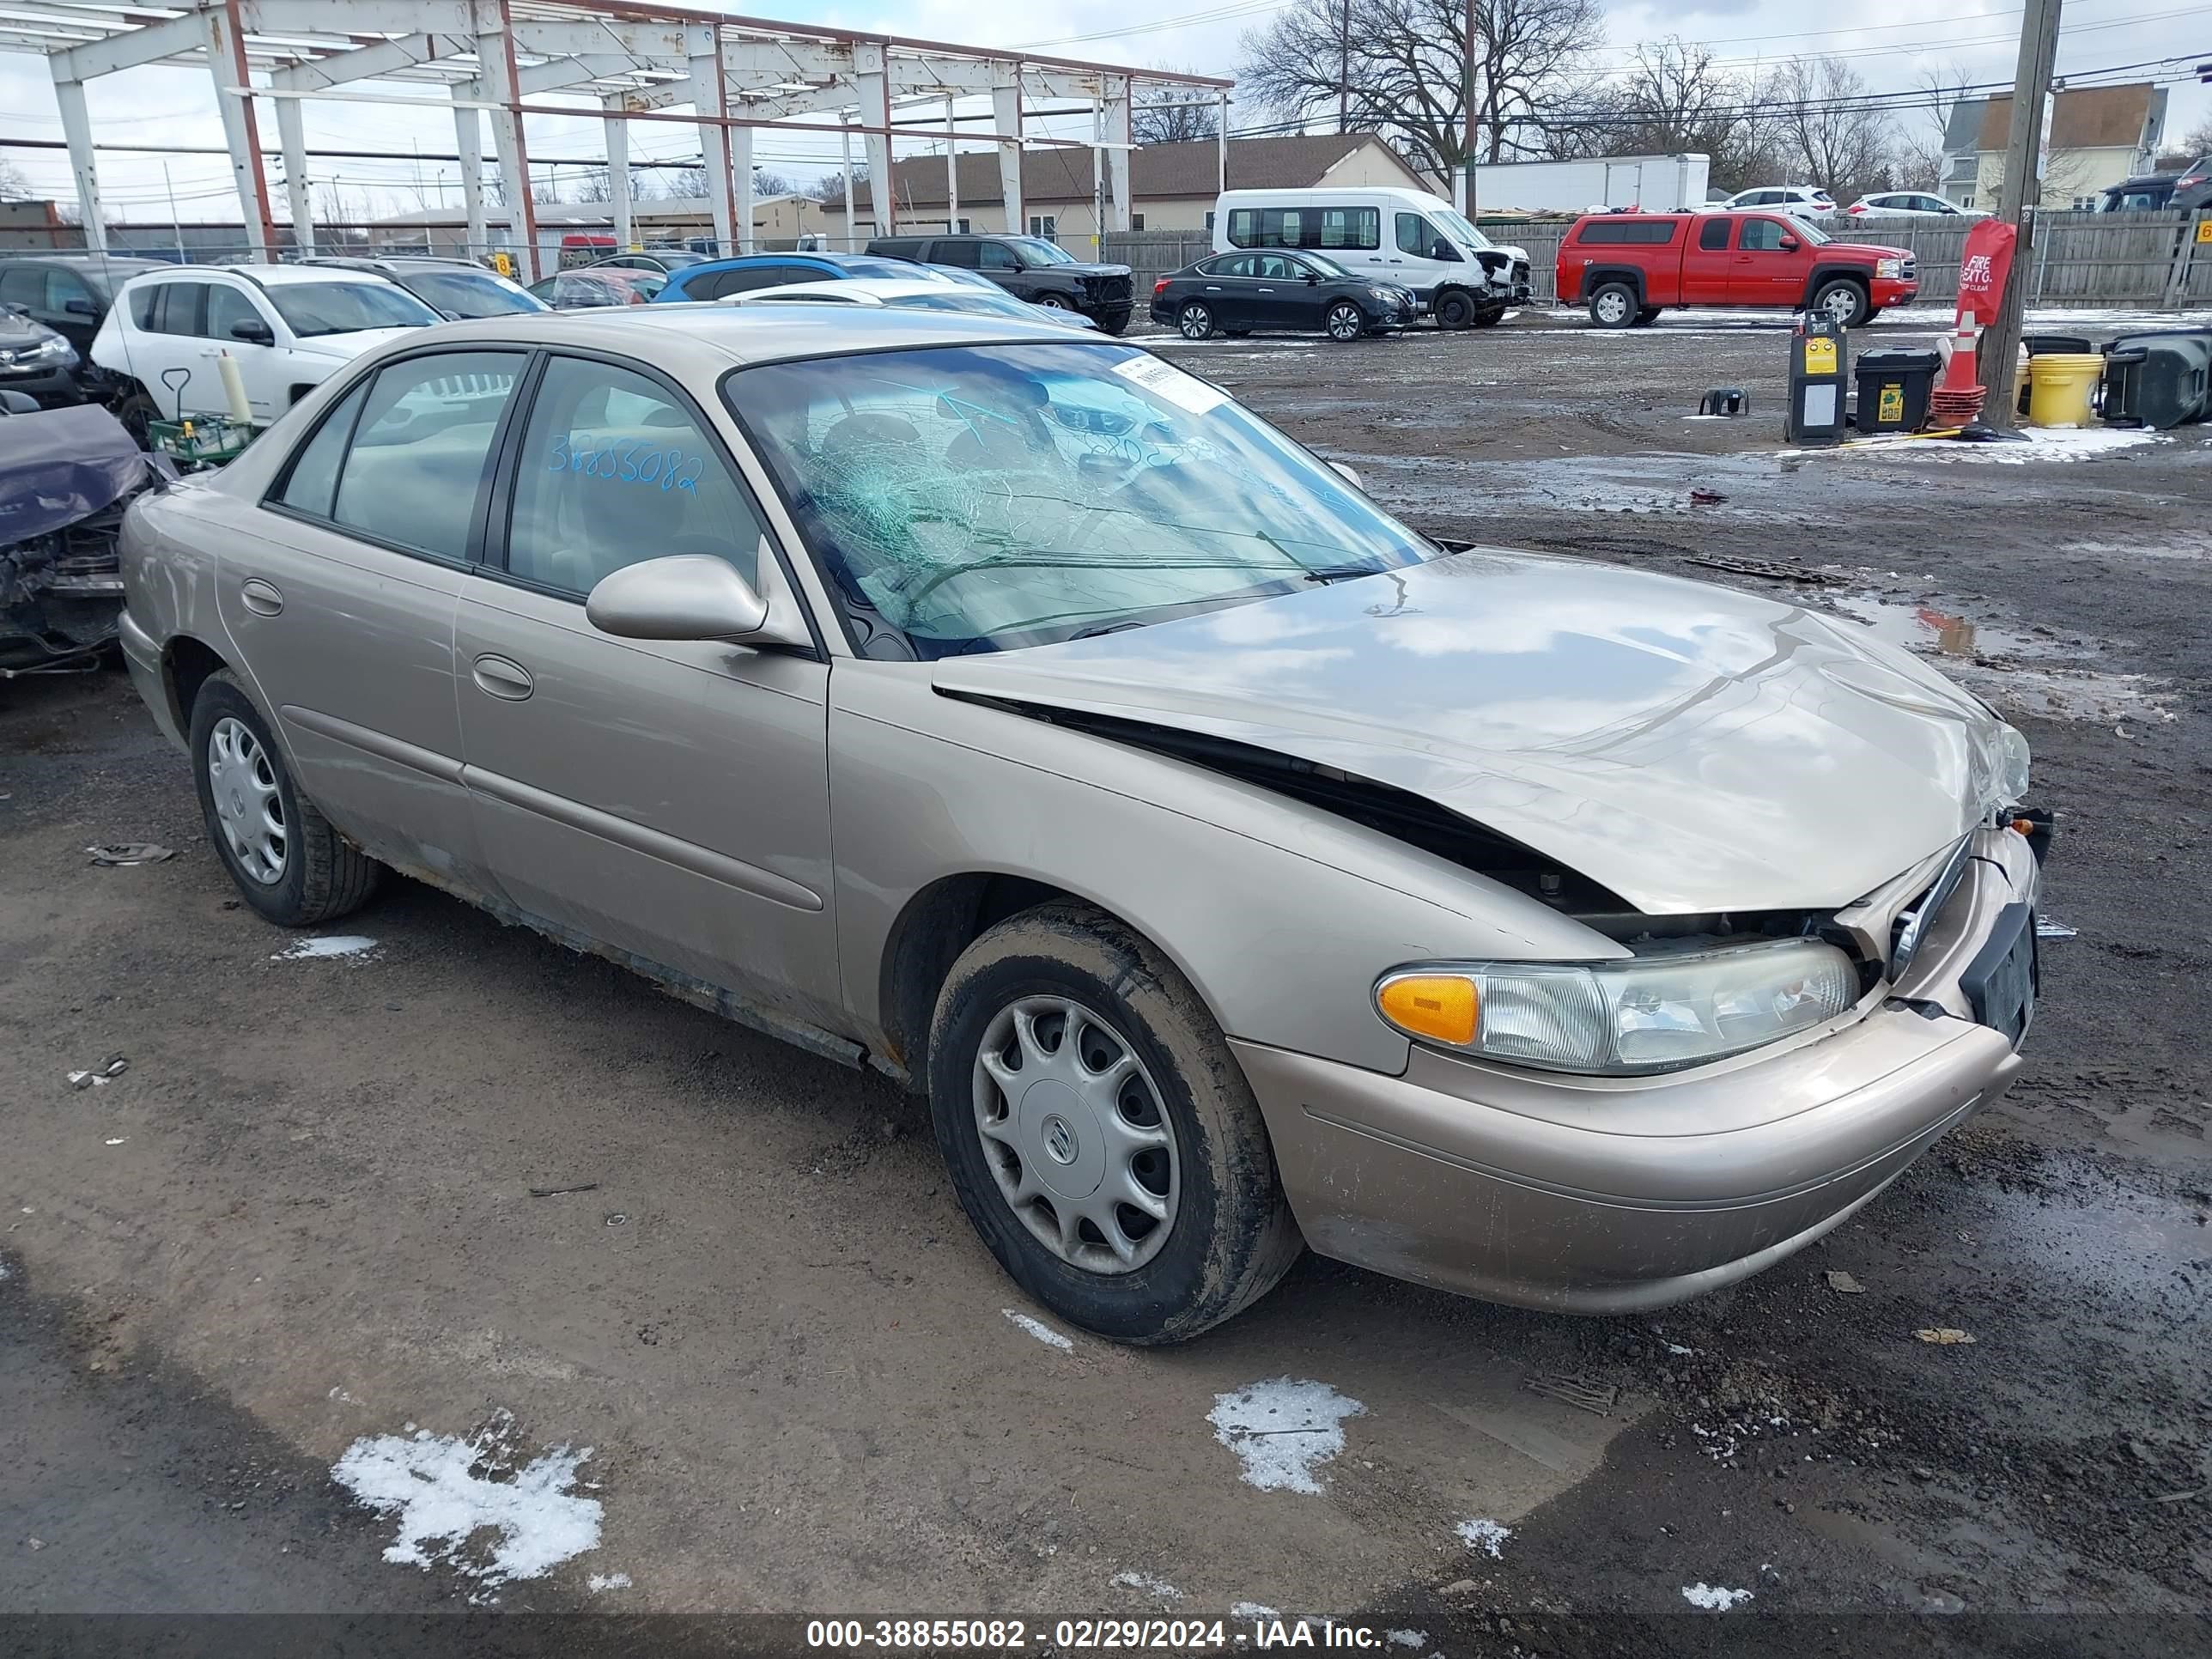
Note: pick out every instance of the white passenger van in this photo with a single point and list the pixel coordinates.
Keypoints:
(1405, 236)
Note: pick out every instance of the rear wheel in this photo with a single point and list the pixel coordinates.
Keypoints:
(1613, 305)
(289, 862)
(1346, 321)
(1195, 321)
(1100, 1134)
(1455, 310)
(1845, 302)
(1645, 316)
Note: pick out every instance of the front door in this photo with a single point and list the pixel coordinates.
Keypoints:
(340, 597)
(261, 363)
(1771, 263)
(1281, 298)
(668, 800)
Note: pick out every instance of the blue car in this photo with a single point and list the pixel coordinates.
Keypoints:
(713, 279)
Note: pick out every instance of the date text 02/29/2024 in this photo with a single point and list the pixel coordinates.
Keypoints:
(1087, 1635)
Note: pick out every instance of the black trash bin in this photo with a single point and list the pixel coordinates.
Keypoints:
(2159, 377)
(1893, 387)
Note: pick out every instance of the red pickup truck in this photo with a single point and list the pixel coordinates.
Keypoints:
(1629, 267)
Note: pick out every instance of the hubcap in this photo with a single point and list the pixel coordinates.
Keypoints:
(1344, 322)
(247, 806)
(1612, 308)
(1843, 305)
(1075, 1136)
(1197, 322)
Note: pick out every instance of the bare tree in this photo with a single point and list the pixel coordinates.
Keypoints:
(1672, 98)
(1833, 137)
(12, 183)
(1399, 67)
(1173, 115)
(2197, 141)
(830, 187)
(1918, 152)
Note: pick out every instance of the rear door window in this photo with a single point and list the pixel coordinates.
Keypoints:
(966, 255)
(416, 465)
(1713, 234)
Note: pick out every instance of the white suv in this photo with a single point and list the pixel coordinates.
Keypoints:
(1799, 201)
(289, 326)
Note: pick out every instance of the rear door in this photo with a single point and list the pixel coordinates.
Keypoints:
(342, 598)
(1226, 285)
(1709, 262)
(668, 799)
(1770, 266)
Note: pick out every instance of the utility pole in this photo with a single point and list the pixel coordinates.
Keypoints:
(1467, 165)
(1344, 69)
(1998, 357)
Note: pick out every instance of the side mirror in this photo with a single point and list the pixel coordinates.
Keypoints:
(1445, 251)
(1347, 474)
(691, 596)
(1790, 244)
(1313, 278)
(80, 307)
(253, 330)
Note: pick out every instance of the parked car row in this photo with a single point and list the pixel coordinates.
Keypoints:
(1629, 267)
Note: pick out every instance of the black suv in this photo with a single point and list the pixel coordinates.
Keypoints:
(69, 293)
(1028, 268)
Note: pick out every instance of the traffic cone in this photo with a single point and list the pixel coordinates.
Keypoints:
(1958, 401)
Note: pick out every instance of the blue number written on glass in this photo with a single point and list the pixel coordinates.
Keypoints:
(624, 461)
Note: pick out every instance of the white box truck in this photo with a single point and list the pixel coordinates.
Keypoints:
(1656, 184)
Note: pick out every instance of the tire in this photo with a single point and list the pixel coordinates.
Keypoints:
(1345, 321)
(1195, 321)
(1237, 333)
(1844, 301)
(1613, 305)
(1116, 326)
(134, 409)
(1646, 317)
(1055, 302)
(1228, 1235)
(320, 875)
(1455, 311)
(1872, 313)
(1490, 316)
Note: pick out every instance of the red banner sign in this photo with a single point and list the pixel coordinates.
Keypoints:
(1983, 269)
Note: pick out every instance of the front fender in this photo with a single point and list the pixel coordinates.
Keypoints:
(1281, 914)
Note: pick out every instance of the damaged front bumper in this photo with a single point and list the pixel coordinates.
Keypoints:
(1590, 1195)
(65, 477)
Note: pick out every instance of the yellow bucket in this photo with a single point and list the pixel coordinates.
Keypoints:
(2059, 386)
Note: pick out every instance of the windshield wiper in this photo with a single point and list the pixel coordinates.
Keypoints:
(1341, 572)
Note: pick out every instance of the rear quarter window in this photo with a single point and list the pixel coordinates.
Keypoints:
(1652, 233)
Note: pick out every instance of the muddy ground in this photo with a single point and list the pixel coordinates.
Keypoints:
(304, 1216)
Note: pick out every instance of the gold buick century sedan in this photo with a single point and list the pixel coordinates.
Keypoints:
(1234, 868)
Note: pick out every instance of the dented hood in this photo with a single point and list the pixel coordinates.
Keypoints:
(1690, 747)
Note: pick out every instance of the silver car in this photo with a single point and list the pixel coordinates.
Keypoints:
(1014, 714)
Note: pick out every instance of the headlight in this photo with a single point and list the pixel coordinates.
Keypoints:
(1889, 267)
(2012, 767)
(1646, 1014)
(46, 351)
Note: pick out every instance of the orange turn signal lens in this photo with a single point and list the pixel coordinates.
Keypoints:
(1441, 1006)
(2023, 826)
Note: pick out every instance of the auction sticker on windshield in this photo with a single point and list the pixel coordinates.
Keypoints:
(1165, 379)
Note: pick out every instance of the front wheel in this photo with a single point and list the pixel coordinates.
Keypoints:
(289, 864)
(1455, 311)
(1491, 315)
(1099, 1132)
(1346, 321)
(1055, 302)
(1195, 321)
(1613, 305)
(1845, 302)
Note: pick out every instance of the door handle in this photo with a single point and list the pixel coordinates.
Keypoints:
(262, 598)
(502, 678)
(1214, 288)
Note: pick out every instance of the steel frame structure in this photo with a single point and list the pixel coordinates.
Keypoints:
(731, 77)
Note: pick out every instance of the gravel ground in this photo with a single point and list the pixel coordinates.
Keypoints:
(303, 1216)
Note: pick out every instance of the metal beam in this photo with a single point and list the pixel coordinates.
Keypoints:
(1006, 116)
(1116, 135)
(468, 130)
(76, 128)
(496, 51)
(352, 19)
(871, 78)
(292, 139)
(656, 42)
(365, 62)
(714, 148)
(618, 178)
(241, 133)
(148, 43)
(741, 168)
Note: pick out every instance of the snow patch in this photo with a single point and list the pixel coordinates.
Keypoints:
(1486, 1536)
(1146, 1582)
(1252, 1610)
(1039, 1329)
(1406, 1639)
(599, 1582)
(446, 1490)
(329, 944)
(1282, 1430)
(1712, 1597)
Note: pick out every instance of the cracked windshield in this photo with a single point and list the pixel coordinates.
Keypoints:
(984, 498)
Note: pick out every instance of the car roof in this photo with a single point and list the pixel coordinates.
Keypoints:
(705, 336)
(862, 289)
(268, 275)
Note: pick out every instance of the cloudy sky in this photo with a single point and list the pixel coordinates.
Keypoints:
(1891, 43)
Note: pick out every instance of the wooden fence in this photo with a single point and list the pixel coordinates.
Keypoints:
(2141, 261)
